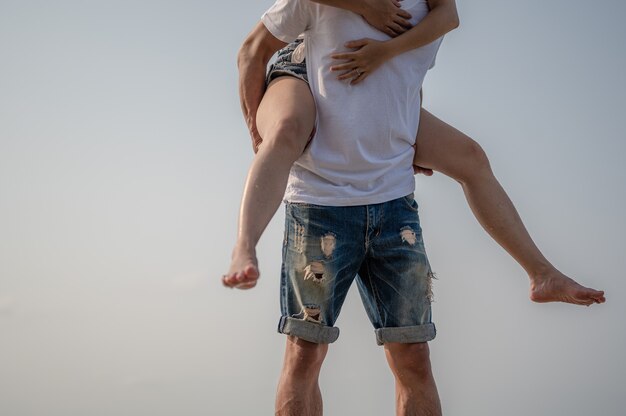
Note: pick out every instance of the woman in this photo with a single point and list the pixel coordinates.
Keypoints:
(285, 117)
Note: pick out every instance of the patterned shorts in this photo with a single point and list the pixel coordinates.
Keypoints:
(290, 62)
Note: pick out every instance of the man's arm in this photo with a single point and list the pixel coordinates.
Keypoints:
(384, 15)
(252, 59)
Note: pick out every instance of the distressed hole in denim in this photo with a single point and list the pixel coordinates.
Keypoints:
(315, 272)
(408, 235)
(298, 243)
(329, 242)
(312, 313)
(429, 289)
(286, 237)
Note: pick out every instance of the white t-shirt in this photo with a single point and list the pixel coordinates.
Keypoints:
(362, 151)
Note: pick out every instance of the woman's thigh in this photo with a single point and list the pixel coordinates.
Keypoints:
(287, 105)
(442, 148)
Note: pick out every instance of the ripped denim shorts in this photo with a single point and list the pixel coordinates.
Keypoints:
(380, 246)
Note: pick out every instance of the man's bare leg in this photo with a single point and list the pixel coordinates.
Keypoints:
(416, 391)
(298, 388)
(443, 148)
(285, 120)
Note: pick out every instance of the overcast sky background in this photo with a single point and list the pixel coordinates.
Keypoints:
(122, 158)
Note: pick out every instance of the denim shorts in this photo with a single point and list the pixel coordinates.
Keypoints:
(326, 248)
(289, 62)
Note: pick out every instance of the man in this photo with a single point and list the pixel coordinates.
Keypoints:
(350, 210)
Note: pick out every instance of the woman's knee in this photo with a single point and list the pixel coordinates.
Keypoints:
(288, 133)
(475, 163)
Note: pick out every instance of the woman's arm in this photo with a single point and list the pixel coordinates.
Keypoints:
(441, 19)
(384, 15)
(370, 54)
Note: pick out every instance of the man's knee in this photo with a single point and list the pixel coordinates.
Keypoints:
(413, 359)
(304, 356)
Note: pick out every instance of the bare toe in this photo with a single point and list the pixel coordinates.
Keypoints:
(244, 272)
(228, 280)
(556, 287)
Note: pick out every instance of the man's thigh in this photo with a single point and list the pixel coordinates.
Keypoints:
(322, 252)
(395, 279)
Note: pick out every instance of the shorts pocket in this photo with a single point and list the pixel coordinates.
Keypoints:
(410, 202)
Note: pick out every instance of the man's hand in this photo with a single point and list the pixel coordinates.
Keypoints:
(256, 138)
(386, 16)
(420, 170)
(252, 60)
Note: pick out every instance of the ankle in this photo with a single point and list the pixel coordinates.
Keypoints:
(541, 272)
(245, 246)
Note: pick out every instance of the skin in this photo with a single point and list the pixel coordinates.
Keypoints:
(266, 180)
(370, 54)
(299, 392)
(386, 15)
(440, 147)
(280, 120)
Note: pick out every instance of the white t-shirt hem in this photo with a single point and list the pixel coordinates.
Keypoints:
(350, 200)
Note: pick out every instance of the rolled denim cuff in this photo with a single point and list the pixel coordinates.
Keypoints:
(406, 334)
(308, 331)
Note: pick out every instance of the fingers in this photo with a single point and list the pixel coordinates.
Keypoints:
(255, 145)
(404, 23)
(358, 43)
(404, 14)
(354, 76)
(347, 75)
(359, 78)
(256, 138)
(390, 32)
(347, 56)
(418, 170)
(397, 28)
(343, 67)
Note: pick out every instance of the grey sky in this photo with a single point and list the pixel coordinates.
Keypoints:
(122, 158)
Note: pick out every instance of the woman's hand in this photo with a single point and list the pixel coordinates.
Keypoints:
(386, 16)
(357, 65)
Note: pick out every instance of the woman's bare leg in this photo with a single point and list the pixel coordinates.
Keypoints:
(285, 120)
(443, 148)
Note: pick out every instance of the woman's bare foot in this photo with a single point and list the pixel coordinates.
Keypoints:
(554, 286)
(244, 271)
